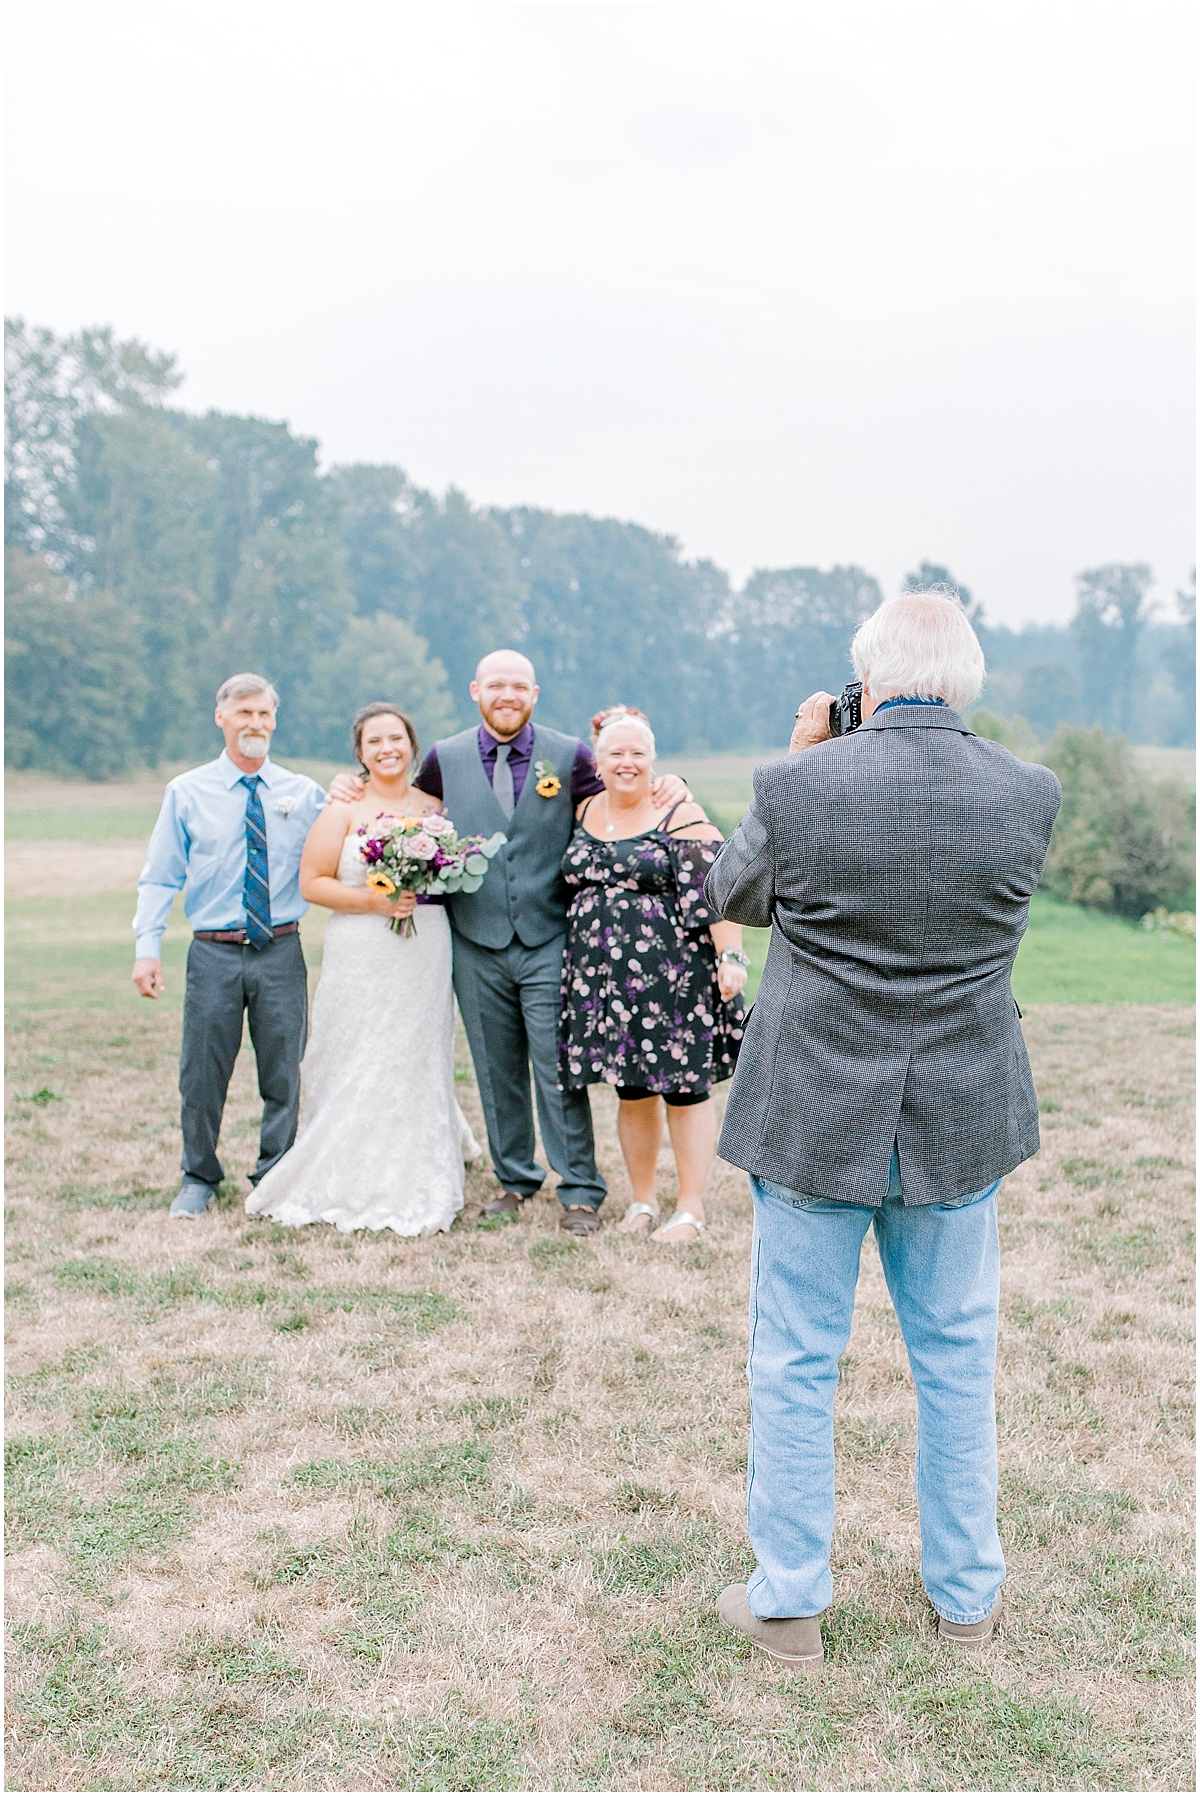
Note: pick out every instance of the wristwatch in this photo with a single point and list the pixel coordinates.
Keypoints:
(734, 957)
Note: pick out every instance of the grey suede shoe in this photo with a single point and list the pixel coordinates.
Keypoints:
(972, 1634)
(793, 1641)
(192, 1199)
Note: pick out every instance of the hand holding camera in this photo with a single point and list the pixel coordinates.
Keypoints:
(823, 716)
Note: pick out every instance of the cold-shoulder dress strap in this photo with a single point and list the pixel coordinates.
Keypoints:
(587, 805)
(666, 822)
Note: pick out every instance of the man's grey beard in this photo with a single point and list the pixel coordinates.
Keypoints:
(254, 744)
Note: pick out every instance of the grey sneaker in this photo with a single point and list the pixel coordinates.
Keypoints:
(793, 1641)
(972, 1634)
(193, 1198)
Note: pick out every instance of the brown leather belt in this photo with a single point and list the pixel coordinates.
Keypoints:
(238, 936)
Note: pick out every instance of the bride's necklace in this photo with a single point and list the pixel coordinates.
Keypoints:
(405, 798)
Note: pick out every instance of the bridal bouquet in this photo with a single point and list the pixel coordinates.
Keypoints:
(423, 855)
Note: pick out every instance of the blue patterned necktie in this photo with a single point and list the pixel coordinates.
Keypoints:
(257, 888)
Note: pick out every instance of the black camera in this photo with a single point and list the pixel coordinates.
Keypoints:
(845, 713)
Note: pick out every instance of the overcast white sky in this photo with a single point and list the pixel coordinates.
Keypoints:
(795, 283)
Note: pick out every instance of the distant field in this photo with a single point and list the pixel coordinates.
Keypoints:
(1076, 956)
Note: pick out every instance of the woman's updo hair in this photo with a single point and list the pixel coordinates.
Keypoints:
(604, 720)
(381, 708)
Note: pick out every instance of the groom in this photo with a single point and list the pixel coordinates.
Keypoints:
(513, 775)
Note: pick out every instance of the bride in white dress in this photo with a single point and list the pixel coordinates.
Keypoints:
(382, 1141)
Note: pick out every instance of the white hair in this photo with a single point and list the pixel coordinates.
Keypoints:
(241, 686)
(920, 645)
(623, 716)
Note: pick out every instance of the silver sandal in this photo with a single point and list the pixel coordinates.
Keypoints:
(681, 1219)
(636, 1210)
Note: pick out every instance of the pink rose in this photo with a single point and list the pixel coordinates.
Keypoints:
(437, 825)
(420, 847)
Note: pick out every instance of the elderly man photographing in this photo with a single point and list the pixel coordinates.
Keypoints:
(232, 831)
(883, 1083)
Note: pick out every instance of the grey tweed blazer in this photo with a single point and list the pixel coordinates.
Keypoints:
(896, 867)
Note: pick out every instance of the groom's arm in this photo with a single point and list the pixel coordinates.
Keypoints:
(429, 780)
(585, 781)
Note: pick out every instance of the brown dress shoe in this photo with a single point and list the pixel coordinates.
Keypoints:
(972, 1634)
(579, 1219)
(507, 1205)
(795, 1640)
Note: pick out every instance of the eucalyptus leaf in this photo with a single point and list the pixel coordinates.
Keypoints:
(476, 864)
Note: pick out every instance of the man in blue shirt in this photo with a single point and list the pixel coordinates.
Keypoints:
(232, 832)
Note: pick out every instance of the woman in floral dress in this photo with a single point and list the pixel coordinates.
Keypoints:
(652, 978)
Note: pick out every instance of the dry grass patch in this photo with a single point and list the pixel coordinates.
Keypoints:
(296, 1510)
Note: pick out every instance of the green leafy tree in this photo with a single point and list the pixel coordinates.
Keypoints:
(1048, 694)
(444, 566)
(614, 614)
(140, 508)
(791, 629)
(73, 674)
(1181, 661)
(280, 601)
(381, 517)
(469, 595)
(378, 657)
(51, 384)
(1122, 842)
(1111, 612)
(1013, 733)
(932, 576)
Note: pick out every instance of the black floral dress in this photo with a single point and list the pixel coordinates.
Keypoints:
(640, 1002)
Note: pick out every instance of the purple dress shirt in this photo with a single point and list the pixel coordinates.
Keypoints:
(585, 781)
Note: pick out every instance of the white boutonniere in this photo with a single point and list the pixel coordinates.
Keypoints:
(285, 806)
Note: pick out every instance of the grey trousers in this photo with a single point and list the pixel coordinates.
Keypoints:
(223, 981)
(509, 999)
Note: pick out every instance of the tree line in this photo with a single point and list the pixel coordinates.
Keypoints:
(151, 550)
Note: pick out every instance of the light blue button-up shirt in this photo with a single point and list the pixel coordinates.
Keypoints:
(200, 841)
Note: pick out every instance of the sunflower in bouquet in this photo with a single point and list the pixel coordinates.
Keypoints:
(425, 855)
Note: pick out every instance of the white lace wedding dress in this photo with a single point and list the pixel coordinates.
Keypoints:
(382, 1140)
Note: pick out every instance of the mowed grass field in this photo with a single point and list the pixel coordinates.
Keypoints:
(292, 1510)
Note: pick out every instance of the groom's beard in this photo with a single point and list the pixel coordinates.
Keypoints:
(253, 744)
(506, 721)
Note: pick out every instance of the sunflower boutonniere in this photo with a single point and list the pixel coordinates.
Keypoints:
(548, 783)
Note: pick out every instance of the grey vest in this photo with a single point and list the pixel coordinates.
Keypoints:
(524, 893)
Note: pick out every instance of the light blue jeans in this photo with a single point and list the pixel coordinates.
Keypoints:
(942, 1265)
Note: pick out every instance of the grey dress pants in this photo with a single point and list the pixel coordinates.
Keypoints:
(225, 980)
(509, 1000)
